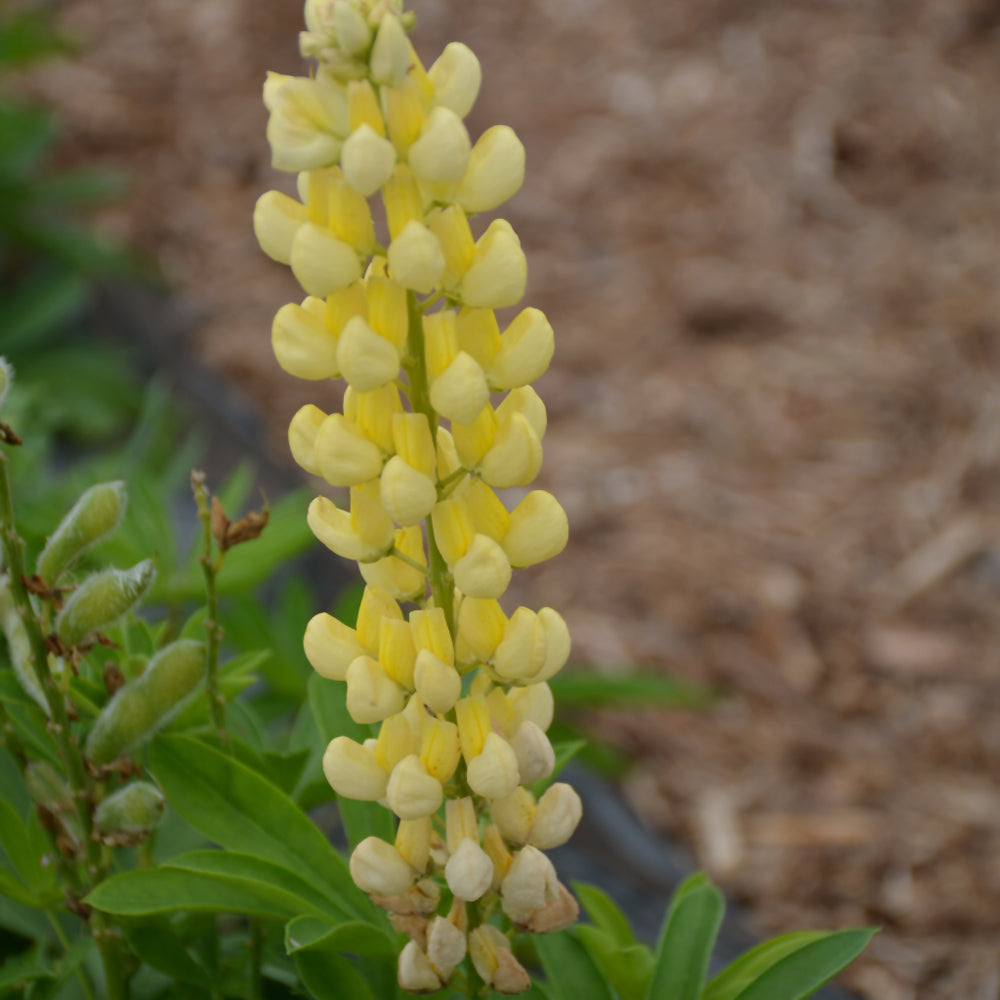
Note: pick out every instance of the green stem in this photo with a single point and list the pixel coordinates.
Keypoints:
(411, 562)
(85, 985)
(210, 568)
(256, 960)
(442, 584)
(13, 550)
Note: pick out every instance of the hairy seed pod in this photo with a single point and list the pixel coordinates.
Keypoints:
(94, 516)
(19, 647)
(48, 787)
(146, 704)
(135, 809)
(102, 599)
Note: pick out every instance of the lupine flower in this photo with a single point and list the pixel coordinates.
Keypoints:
(438, 416)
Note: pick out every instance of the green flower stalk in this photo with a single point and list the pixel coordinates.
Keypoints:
(439, 414)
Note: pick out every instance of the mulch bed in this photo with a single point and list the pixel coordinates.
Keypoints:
(766, 235)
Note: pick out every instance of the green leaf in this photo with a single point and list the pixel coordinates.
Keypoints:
(360, 819)
(354, 937)
(591, 689)
(11, 692)
(231, 864)
(686, 942)
(155, 942)
(25, 967)
(37, 308)
(21, 851)
(13, 889)
(327, 976)
(791, 967)
(628, 969)
(242, 811)
(151, 891)
(570, 971)
(604, 913)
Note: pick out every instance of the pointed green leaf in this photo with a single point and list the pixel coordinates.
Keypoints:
(751, 964)
(570, 971)
(803, 970)
(327, 976)
(19, 849)
(354, 937)
(25, 967)
(627, 968)
(604, 913)
(242, 811)
(150, 891)
(232, 864)
(586, 688)
(686, 941)
(155, 942)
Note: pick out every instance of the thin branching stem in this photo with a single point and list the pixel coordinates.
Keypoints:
(210, 567)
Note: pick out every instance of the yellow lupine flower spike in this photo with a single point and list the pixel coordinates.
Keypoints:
(439, 418)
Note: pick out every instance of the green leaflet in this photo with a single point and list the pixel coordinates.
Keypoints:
(569, 970)
(791, 967)
(686, 941)
(242, 811)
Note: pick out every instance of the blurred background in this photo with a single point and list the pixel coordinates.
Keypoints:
(767, 237)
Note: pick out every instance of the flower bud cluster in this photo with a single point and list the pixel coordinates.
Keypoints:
(439, 414)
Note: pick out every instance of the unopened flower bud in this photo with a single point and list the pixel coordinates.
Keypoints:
(557, 643)
(535, 756)
(484, 570)
(495, 171)
(101, 599)
(301, 342)
(367, 160)
(415, 258)
(413, 841)
(371, 694)
(376, 605)
(135, 809)
(390, 56)
(408, 495)
(469, 871)
(480, 628)
(412, 792)
(344, 455)
(378, 867)
(521, 654)
(302, 434)
(515, 456)
(538, 530)
(353, 771)
(460, 392)
(494, 773)
(495, 963)
(534, 702)
(438, 683)
(473, 718)
(368, 361)
(142, 706)
(276, 220)
(445, 946)
(498, 272)
(349, 28)
(557, 816)
(514, 815)
(496, 850)
(440, 750)
(526, 349)
(321, 262)
(441, 154)
(456, 75)
(530, 884)
(415, 973)
(331, 646)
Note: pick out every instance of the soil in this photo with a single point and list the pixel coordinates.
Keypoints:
(766, 235)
